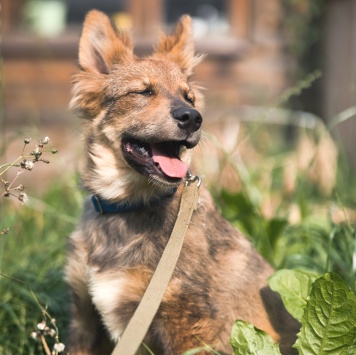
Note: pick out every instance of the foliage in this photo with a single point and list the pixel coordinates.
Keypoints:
(328, 316)
(248, 340)
(303, 24)
(294, 286)
(277, 197)
(34, 253)
(312, 244)
(329, 319)
(316, 242)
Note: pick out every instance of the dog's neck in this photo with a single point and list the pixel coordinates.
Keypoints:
(103, 206)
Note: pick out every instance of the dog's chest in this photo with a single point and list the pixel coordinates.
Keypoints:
(127, 240)
(116, 295)
(122, 253)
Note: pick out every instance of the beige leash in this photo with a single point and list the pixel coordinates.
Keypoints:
(146, 310)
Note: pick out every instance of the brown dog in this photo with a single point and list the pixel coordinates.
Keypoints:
(140, 113)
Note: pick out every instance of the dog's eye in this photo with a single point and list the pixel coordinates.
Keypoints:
(189, 98)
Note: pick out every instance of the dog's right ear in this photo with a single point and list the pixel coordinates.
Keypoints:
(179, 47)
(102, 45)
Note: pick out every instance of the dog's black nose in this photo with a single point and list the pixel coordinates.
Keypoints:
(188, 118)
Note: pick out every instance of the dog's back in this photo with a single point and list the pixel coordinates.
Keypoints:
(140, 114)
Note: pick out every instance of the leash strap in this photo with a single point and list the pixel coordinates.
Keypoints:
(146, 310)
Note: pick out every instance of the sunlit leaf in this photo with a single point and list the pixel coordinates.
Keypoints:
(248, 340)
(329, 319)
(294, 287)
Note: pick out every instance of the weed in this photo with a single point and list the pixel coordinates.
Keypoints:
(25, 161)
(14, 315)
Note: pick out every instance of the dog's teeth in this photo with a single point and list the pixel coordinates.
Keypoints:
(141, 150)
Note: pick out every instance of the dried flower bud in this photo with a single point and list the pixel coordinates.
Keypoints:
(53, 320)
(6, 194)
(27, 140)
(22, 197)
(26, 164)
(51, 332)
(20, 187)
(45, 140)
(34, 335)
(42, 325)
(58, 347)
(6, 184)
(36, 151)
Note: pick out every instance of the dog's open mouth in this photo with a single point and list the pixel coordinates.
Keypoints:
(156, 160)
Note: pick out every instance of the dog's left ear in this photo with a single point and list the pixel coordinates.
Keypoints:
(179, 47)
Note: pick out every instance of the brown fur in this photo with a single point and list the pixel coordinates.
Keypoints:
(219, 277)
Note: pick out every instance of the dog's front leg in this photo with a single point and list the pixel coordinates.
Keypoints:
(87, 335)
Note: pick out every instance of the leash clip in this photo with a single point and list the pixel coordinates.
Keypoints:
(192, 178)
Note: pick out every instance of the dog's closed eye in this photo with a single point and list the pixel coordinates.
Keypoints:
(147, 92)
(189, 97)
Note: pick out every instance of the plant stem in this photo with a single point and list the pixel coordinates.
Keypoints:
(9, 165)
(45, 345)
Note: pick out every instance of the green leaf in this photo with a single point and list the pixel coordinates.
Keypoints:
(274, 229)
(329, 319)
(248, 340)
(294, 286)
(351, 350)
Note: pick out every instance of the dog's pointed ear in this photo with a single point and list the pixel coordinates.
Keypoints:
(179, 47)
(101, 44)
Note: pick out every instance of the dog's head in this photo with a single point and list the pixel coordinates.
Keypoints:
(141, 112)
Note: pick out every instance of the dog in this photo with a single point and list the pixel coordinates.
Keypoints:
(140, 116)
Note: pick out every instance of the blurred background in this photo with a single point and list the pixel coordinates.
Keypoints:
(255, 50)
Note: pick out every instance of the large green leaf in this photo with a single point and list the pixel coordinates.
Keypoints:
(329, 319)
(248, 340)
(294, 286)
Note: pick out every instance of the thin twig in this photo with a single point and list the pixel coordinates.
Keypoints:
(45, 345)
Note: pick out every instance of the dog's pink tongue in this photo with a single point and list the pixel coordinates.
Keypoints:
(171, 166)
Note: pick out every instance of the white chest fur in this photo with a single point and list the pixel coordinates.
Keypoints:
(110, 292)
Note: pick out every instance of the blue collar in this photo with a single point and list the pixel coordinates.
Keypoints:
(103, 206)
